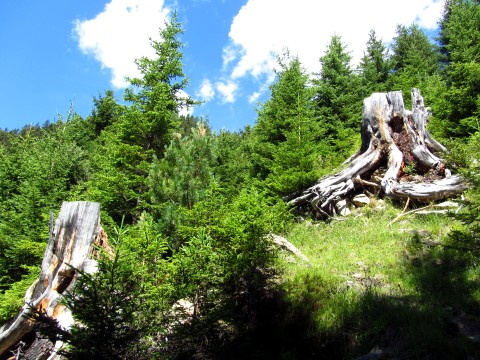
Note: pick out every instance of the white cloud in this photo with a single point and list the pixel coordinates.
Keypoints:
(227, 90)
(430, 15)
(184, 110)
(254, 97)
(120, 34)
(206, 91)
(229, 55)
(263, 28)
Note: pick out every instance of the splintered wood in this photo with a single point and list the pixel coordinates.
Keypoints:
(69, 250)
(393, 139)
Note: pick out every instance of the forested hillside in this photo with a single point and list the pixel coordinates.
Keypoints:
(188, 211)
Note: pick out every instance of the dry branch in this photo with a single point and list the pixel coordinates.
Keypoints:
(442, 208)
(287, 245)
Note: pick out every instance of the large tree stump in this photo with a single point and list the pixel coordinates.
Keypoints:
(392, 138)
(69, 249)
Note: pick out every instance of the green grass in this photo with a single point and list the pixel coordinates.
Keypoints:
(363, 247)
(373, 285)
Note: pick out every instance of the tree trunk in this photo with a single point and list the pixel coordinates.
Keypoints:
(69, 249)
(394, 140)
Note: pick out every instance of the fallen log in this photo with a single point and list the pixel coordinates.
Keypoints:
(393, 138)
(283, 243)
(71, 245)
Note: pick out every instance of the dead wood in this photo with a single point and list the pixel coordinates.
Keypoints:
(69, 249)
(283, 243)
(395, 143)
(442, 208)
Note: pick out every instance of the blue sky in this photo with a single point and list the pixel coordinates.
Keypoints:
(57, 53)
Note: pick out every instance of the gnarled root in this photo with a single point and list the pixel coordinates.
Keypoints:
(394, 137)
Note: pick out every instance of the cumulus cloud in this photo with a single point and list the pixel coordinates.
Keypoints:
(254, 97)
(263, 28)
(184, 110)
(227, 90)
(206, 91)
(120, 34)
(229, 55)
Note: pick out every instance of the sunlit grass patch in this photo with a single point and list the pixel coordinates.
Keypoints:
(371, 282)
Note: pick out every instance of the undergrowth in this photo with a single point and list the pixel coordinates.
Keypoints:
(371, 287)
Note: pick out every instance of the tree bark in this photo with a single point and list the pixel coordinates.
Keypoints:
(392, 138)
(69, 249)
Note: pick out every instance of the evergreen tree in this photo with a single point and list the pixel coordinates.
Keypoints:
(460, 43)
(415, 61)
(181, 177)
(38, 168)
(459, 35)
(233, 168)
(130, 137)
(338, 101)
(186, 169)
(225, 267)
(108, 309)
(412, 49)
(116, 178)
(375, 66)
(106, 112)
(158, 96)
(464, 241)
(187, 123)
(288, 139)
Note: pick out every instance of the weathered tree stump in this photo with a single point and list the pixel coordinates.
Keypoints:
(392, 138)
(69, 249)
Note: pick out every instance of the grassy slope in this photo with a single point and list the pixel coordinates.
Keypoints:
(394, 289)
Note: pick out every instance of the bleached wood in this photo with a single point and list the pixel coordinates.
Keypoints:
(69, 248)
(442, 208)
(287, 245)
(395, 136)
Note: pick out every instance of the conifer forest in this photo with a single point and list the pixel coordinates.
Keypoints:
(245, 244)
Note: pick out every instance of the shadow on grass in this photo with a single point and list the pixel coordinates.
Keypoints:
(441, 322)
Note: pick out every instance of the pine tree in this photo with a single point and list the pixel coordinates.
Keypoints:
(288, 137)
(106, 112)
(375, 66)
(186, 169)
(338, 103)
(132, 136)
(181, 178)
(460, 44)
(158, 96)
(415, 61)
(233, 167)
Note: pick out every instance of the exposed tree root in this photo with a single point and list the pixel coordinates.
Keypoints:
(397, 140)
